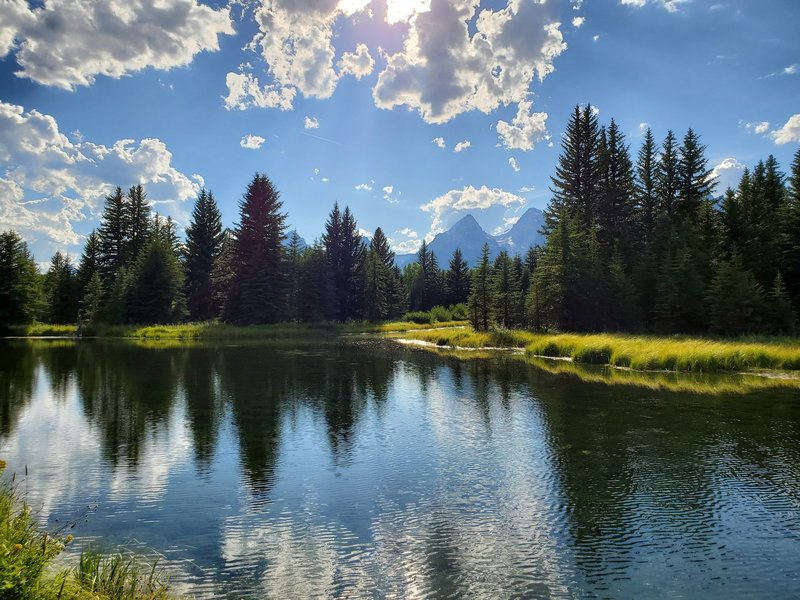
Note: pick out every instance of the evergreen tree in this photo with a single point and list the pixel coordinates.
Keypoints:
(731, 224)
(113, 235)
(256, 295)
(315, 285)
(203, 246)
(645, 187)
(20, 294)
(90, 302)
(736, 299)
(413, 285)
(61, 290)
(695, 184)
(616, 202)
(292, 262)
(90, 262)
(155, 285)
(222, 274)
(505, 292)
(137, 221)
(481, 297)
(457, 279)
(668, 177)
(384, 298)
(780, 317)
(791, 237)
(346, 255)
(431, 277)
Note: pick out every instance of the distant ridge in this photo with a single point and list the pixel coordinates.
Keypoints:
(470, 237)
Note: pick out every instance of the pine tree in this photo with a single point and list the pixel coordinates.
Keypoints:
(346, 255)
(90, 262)
(480, 296)
(114, 236)
(791, 235)
(736, 299)
(61, 290)
(293, 256)
(668, 177)
(615, 201)
(137, 221)
(90, 302)
(154, 290)
(382, 283)
(695, 184)
(315, 285)
(256, 294)
(204, 238)
(780, 317)
(505, 292)
(645, 187)
(431, 277)
(20, 294)
(457, 279)
(222, 274)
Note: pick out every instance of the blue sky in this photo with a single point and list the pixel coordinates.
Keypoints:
(413, 112)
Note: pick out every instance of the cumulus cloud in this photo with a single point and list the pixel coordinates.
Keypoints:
(577, 22)
(295, 39)
(526, 189)
(444, 69)
(727, 172)
(525, 130)
(469, 198)
(68, 43)
(311, 123)
(367, 187)
(358, 64)
(439, 141)
(409, 243)
(790, 132)
(512, 162)
(461, 146)
(595, 37)
(49, 183)
(389, 194)
(252, 142)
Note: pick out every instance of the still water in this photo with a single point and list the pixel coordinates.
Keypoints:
(359, 468)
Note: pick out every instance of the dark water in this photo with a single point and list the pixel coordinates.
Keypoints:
(363, 469)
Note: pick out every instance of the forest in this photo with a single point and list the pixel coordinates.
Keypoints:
(633, 244)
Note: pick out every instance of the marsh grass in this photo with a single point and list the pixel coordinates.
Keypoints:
(120, 577)
(642, 353)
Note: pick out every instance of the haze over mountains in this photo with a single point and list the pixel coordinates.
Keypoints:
(470, 237)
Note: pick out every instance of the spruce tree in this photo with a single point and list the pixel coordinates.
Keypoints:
(20, 293)
(736, 299)
(780, 318)
(457, 279)
(505, 292)
(646, 171)
(137, 221)
(61, 290)
(90, 262)
(384, 298)
(114, 235)
(154, 293)
(668, 177)
(431, 277)
(256, 293)
(315, 285)
(346, 255)
(695, 184)
(90, 302)
(204, 238)
(481, 296)
(293, 255)
(615, 200)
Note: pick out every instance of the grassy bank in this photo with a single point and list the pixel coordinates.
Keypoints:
(214, 330)
(643, 353)
(26, 563)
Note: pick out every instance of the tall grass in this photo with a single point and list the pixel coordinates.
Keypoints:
(27, 553)
(635, 352)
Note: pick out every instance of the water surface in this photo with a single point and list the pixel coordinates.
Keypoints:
(359, 468)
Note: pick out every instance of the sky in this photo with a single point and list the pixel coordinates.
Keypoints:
(412, 112)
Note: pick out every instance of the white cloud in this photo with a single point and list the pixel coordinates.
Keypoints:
(512, 162)
(364, 186)
(389, 194)
(790, 70)
(295, 39)
(49, 183)
(727, 172)
(525, 130)
(67, 43)
(364, 233)
(398, 11)
(466, 199)
(577, 22)
(461, 146)
(358, 64)
(790, 132)
(759, 127)
(324, 180)
(595, 37)
(444, 70)
(252, 142)
(643, 127)
(311, 123)
(410, 244)
(526, 189)
(669, 5)
(439, 141)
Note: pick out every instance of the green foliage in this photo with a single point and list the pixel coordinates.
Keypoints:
(736, 299)
(120, 577)
(481, 297)
(204, 239)
(20, 295)
(346, 255)
(418, 316)
(61, 290)
(153, 295)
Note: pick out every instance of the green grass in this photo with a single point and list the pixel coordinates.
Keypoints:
(43, 330)
(641, 353)
(27, 554)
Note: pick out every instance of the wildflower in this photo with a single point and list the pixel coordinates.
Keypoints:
(16, 548)
(70, 537)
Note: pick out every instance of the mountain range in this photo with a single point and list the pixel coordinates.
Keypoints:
(470, 237)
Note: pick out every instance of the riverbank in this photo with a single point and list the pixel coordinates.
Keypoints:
(640, 353)
(220, 331)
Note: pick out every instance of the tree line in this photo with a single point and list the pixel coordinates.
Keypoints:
(638, 244)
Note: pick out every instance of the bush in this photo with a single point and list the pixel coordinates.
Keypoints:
(459, 312)
(439, 314)
(418, 316)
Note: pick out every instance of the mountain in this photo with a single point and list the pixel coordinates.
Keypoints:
(465, 234)
(303, 243)
(470, 237)
(524, 233)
